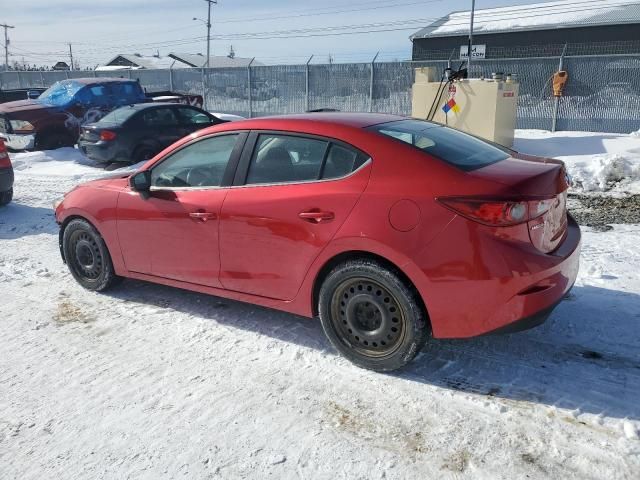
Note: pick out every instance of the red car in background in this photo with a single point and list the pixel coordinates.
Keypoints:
(6, 175)
(390, 229)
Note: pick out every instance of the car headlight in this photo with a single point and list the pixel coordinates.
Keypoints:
(21, 126)
(57, 202)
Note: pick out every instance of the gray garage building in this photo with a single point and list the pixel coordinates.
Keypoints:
(535, 30)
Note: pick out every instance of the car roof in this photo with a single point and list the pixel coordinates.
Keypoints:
(350, 119)
(147, 105)
(90, 80)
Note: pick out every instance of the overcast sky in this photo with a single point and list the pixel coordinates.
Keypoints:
(100, 30)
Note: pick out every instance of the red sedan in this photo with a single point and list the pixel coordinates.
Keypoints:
(390, 229)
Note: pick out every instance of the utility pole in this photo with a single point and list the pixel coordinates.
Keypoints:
(209, 2)
(6, 45)
(71, 57)
(473, 11)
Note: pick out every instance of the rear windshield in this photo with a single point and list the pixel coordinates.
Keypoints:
(119, 115)
(452, 146)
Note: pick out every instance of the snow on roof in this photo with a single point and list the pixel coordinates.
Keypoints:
(537, 16)
(199, 61)
(148, 62)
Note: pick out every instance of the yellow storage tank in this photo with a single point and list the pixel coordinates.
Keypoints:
(483, 107)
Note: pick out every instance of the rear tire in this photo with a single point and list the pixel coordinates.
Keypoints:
(6, 197)
(371, 316)
(87, 256)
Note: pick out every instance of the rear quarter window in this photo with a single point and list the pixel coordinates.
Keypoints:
(456, 148)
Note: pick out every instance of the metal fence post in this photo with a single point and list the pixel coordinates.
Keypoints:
(371, 82)
(19, 79)
(41, 79)
(306, 79)
(556, 100)
(249, 87)
(171, 77)
(204, 89)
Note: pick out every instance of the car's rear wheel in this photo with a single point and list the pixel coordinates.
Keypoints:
(6, 197)
(372, 316)
(87, 256)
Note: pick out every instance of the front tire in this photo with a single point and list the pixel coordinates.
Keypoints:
(87, 256)
(371, 316)
(6, 197)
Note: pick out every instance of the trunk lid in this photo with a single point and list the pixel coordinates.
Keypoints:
(544, 183)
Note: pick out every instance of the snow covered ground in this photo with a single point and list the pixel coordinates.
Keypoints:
(151, 382)
(598, 162)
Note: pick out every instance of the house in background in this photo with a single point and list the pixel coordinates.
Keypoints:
(136, 61)
(197, 60)
(61, 66)
(534, 30)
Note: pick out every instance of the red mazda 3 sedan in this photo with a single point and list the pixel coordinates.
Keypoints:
(390, 229)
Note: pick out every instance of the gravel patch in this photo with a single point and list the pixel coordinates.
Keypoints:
(599, 211)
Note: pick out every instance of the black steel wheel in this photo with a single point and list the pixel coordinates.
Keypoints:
(6, 197)
(371, 316)
(87, 256)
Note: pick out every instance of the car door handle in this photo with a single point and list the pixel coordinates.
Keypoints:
(202, 216)
(316, 216)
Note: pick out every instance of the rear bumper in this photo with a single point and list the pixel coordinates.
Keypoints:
(101, 152)
(6, 179)
(504, 289)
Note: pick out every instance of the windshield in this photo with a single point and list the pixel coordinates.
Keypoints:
(452, 146)
(60, 93)
(118, 116)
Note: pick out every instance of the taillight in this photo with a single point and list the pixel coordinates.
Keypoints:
(498, 213)
(107, 135)
(5, 161)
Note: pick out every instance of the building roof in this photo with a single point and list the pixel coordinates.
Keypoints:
(537, 16)
(141, 61)
(199, 61)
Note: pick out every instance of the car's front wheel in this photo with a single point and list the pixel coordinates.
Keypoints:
(372, 316)
(87, 256)
(6, 197)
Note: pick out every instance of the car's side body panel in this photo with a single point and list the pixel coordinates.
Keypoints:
(472, 278)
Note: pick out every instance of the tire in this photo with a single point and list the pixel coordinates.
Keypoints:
(53, 140)
(371, 316)
(87, 256)
(6, 197)
(142, 154)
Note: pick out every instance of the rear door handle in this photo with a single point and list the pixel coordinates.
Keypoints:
(202, 216)
(316, 216)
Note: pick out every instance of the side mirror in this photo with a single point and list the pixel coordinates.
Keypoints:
(33, 94)
(141, 181)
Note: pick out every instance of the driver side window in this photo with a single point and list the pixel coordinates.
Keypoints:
(201, 164)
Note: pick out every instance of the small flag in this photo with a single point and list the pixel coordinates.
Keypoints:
(451, 105)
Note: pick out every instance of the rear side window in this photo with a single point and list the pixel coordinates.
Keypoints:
(126, 93)
(288, 158)
(192, 116)
(118, 116)
(283, 158)
(452, 146)
(158, 117)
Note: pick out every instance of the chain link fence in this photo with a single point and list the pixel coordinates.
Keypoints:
(602, 94)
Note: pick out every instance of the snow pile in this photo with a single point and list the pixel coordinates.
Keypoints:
(597, 162)
(65, 162)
